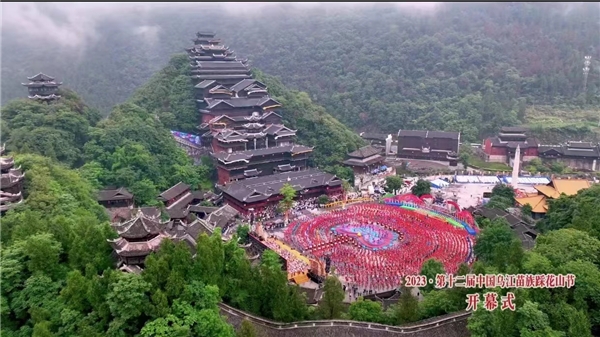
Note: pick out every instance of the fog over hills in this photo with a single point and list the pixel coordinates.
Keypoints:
(366, 63)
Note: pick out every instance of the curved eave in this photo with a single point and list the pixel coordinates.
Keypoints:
(233, 161)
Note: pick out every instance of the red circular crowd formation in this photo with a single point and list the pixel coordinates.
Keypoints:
(422, 236)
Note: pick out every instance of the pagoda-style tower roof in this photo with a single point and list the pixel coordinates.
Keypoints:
(138, 236)
(10, 183)
(9, 200)
(12, 178)
(139, 227)
(42, 87)
(40, 77)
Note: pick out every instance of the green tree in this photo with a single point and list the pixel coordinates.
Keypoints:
(421, 187)
(504, 191)
(323, 199)
(407, 308)
(499, 202)
(430, 269)
(242, 233)
(288, 194)
(393, 183)
(331, 306)
(247, 329)
(366, 311)
(526, 210)
(498, 246)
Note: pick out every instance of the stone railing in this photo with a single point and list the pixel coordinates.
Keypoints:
(451, 325)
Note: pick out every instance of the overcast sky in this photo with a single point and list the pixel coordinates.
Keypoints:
(72, 23)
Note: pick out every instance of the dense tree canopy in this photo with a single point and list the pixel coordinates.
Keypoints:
(132, 148)
(462, 67)
(57, 131)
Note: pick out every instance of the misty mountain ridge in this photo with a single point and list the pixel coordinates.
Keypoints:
(368, 65)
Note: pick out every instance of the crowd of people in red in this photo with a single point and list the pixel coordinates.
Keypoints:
(421, 237)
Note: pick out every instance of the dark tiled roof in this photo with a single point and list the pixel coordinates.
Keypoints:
(221, 217)
(177, 213)
(204, 84)
(114, 194)
(126, 213)
(202, 195)
(243, 84)
(41, 77)
(202, 209)
(581, 150)
(429, 134)
(279, 130)
(11, 178)
(221, 65)
(139, 227)
(173, 191)
(528, 143)
(365, 161)
(253, 118)
(261, 188)
(285, 168)
(581, 145)
(251, 173)
(248, 155)
(365, 152)
(513, 129)
(220, 77)
(494, 213)
(240, 102)
(374, 136)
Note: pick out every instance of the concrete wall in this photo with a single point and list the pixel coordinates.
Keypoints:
(452, 325)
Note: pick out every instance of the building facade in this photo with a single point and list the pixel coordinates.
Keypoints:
(239, 123)
(502, 148)
(43, 88)
(11, 184)
(262, 192)
(365, 159)
(578, 155)
(429, 145)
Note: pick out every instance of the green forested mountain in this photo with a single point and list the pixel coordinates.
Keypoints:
(58, 276)
(467, 67)
(170, 96)
(57, 131)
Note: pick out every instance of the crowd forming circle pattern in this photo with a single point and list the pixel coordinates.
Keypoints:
(373, 246)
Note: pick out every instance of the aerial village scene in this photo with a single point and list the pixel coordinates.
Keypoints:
(364, 248)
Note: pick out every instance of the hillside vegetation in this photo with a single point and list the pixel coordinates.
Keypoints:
(466, 67)
(170, 95)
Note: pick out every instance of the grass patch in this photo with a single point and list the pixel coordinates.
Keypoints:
(479, 163)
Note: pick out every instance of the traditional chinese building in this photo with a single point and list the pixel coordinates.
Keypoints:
(553, 190)
(115, 197)
(211, 60)
(365, 159)
(43, 87)
(429, 145)
(577, 155)
(239, 121)
(261, 192)
(11, 184)
(180, 197)
(232, 166)
(502, 148)
(141, 232)
(138, 237)
(375, 139)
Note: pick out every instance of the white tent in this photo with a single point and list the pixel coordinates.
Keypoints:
(439, 183)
